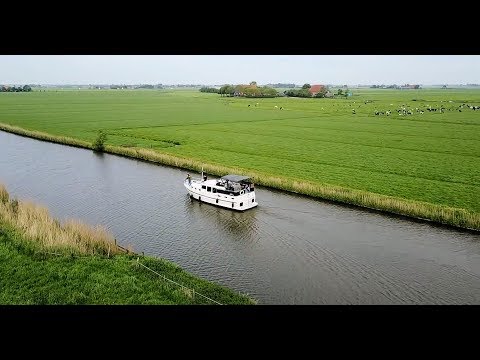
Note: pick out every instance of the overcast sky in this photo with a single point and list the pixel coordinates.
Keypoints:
(236, 69)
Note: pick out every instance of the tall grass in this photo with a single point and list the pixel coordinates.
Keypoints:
(457, 217)
(44, 136)
(44, 232)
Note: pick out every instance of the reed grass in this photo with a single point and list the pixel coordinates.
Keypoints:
(65, 140)
(457, 217)
(46, 233)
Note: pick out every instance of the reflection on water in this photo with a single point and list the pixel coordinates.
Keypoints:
(240, 224)
(288, 250)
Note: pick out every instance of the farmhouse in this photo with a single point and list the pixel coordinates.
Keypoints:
(315, 89)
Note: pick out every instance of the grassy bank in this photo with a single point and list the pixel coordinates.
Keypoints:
(423, 164)
(46, 262)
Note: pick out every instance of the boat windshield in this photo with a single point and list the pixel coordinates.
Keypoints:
(236, 178)
(234, 186)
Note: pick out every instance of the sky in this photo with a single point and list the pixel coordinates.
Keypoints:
(239, 69)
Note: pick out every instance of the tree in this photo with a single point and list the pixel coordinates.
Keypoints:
(230, 90)
(306, 86)
(304, 93)
(222, 90)
(209, 89)
(226, 90)
(27, 88)
(298, 93)
(253, 83)
(340, 92)
(268, 91)
(251, 92)
(99, 143)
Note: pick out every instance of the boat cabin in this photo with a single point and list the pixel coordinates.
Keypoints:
(232, 185)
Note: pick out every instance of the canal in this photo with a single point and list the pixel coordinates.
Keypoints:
(291, 249)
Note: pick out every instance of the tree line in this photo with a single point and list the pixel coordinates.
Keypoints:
(5, 88)
(254, 91)
(209, 90)
(304, 92)
(250, 91)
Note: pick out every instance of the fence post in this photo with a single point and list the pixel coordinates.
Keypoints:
(137, 260)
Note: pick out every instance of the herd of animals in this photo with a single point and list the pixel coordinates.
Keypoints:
(405, 110)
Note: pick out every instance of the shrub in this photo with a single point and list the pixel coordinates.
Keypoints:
(99, 143)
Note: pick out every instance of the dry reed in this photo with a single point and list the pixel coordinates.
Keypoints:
(36, 225)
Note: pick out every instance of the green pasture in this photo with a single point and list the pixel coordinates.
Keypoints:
(432, 157)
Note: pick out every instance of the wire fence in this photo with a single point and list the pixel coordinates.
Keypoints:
(190, 290)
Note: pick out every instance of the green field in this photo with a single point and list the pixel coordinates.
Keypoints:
(432, 157)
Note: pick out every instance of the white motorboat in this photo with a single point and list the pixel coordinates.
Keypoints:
(235, 192)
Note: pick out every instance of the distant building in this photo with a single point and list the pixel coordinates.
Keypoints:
(315, 89)
(408, 86)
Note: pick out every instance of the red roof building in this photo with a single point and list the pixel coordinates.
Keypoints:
(315, 89)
